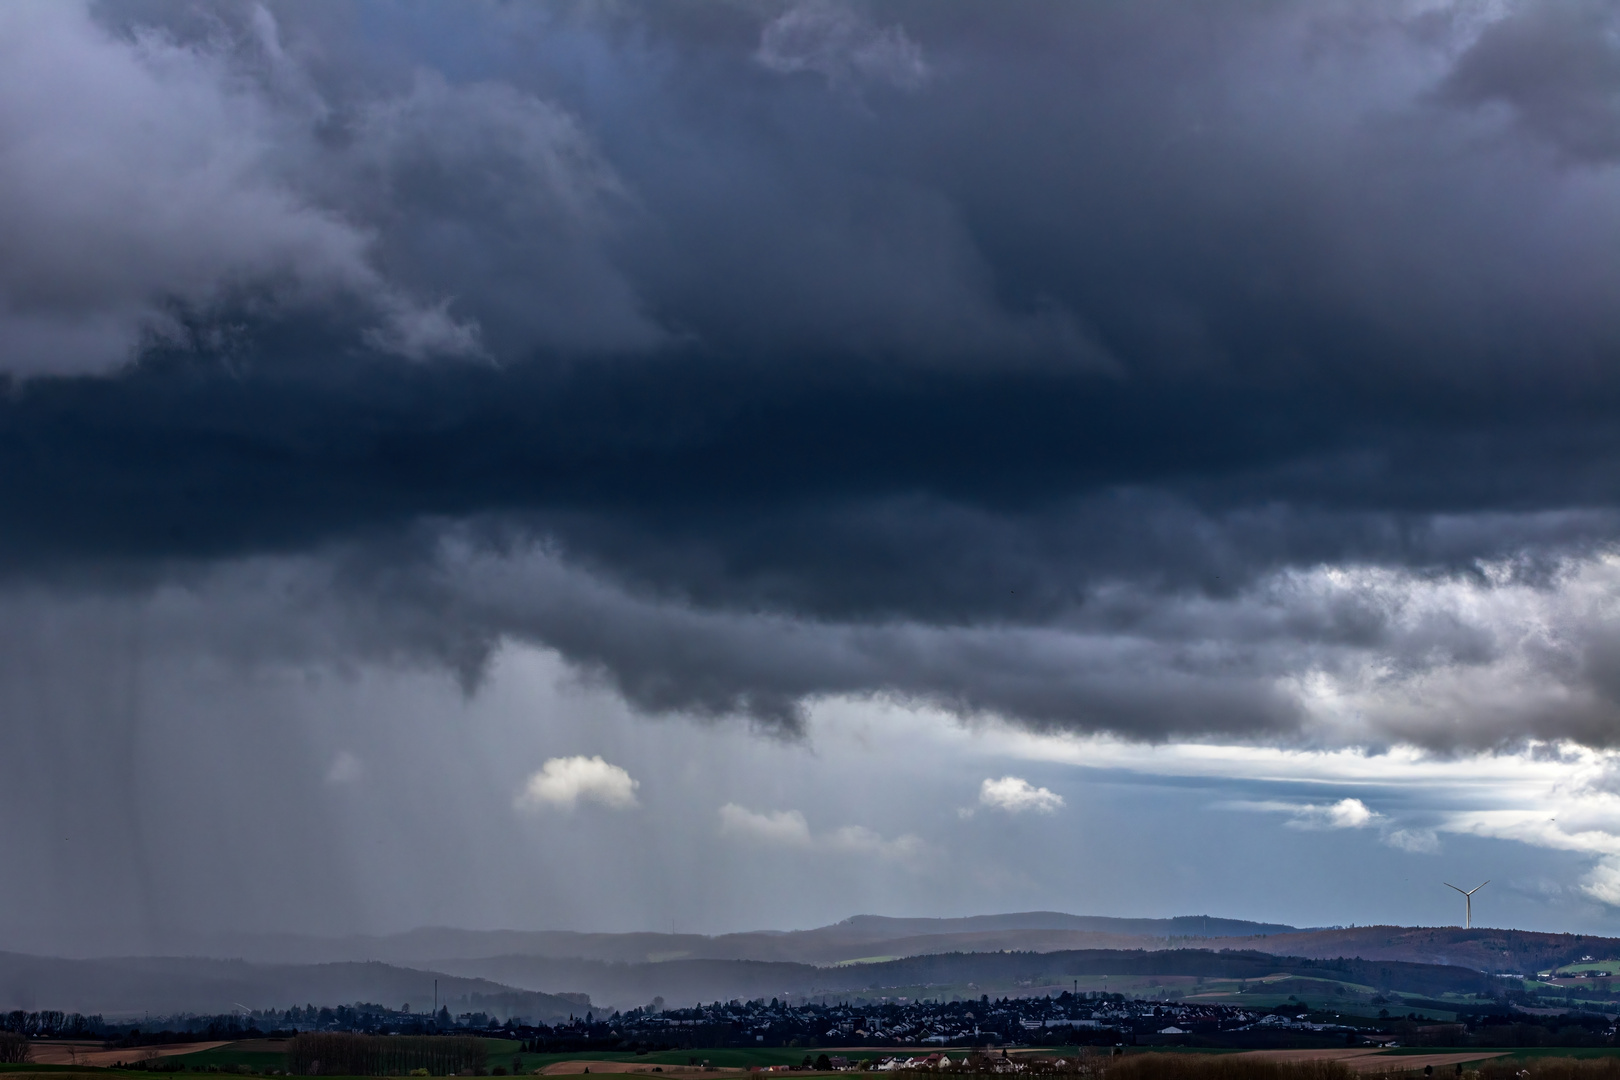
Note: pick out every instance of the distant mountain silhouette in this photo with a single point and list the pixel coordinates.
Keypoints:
(129, 986)
(686, 982)
(853, 938)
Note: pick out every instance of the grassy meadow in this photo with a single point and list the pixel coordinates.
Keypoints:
(1135, 1063)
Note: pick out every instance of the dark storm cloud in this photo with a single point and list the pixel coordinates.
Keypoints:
(1317, 195)
(1556, 68)
(933, 350)
(836, 491)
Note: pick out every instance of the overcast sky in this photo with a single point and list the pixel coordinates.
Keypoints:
(727, 465)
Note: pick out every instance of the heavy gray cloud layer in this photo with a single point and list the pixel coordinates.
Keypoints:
(1355, 188)
(1146, 369)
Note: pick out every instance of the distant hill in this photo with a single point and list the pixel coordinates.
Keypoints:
(853, 938)
(686, 982)
(1485, 949)
(527, 973)
(875, 927)
(135, 985)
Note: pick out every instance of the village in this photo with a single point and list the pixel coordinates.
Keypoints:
(1065, 1019)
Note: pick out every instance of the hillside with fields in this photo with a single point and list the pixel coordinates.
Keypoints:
(549, 974)
(865, 938)
(858, 937)
(1519, 951)
(963, 975)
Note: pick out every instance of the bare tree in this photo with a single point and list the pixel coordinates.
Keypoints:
(14, 1048)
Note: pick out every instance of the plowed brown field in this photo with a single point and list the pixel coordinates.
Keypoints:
(570, 1068)
(91, 1053)
(1371, 1059)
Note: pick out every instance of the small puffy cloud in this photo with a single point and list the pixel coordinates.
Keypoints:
(858, 839)
(345, 769)
(780, 828)
(1416, 841)
(1015, 795)
(565, 782)
(1344, 814)
(789, 829)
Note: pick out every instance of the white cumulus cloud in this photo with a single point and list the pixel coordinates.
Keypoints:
(1015, 795)
(1344, 814)
(789, 829)
(779, 828)
(566, 782)
(859, 840)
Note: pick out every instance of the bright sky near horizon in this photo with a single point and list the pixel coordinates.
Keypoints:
(379, 801)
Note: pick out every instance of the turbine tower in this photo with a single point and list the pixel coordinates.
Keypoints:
(1468, 901)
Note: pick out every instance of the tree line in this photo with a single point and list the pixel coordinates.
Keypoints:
(51, 1023)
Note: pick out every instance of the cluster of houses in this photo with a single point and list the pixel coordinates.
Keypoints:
(1065, 1018)
(1001, 1064)
(903, 1063)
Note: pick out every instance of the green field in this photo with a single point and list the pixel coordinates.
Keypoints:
(105, 1074)
(227, 1058)
(503, 1051)
(30, 1067)
(719, 1057)
(730, 1057)
(1564, 1051)
(1589, 965)
(1316, 993)
(716, 1057)
(1515, 1053)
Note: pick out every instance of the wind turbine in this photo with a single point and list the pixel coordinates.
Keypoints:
(1468, 901)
